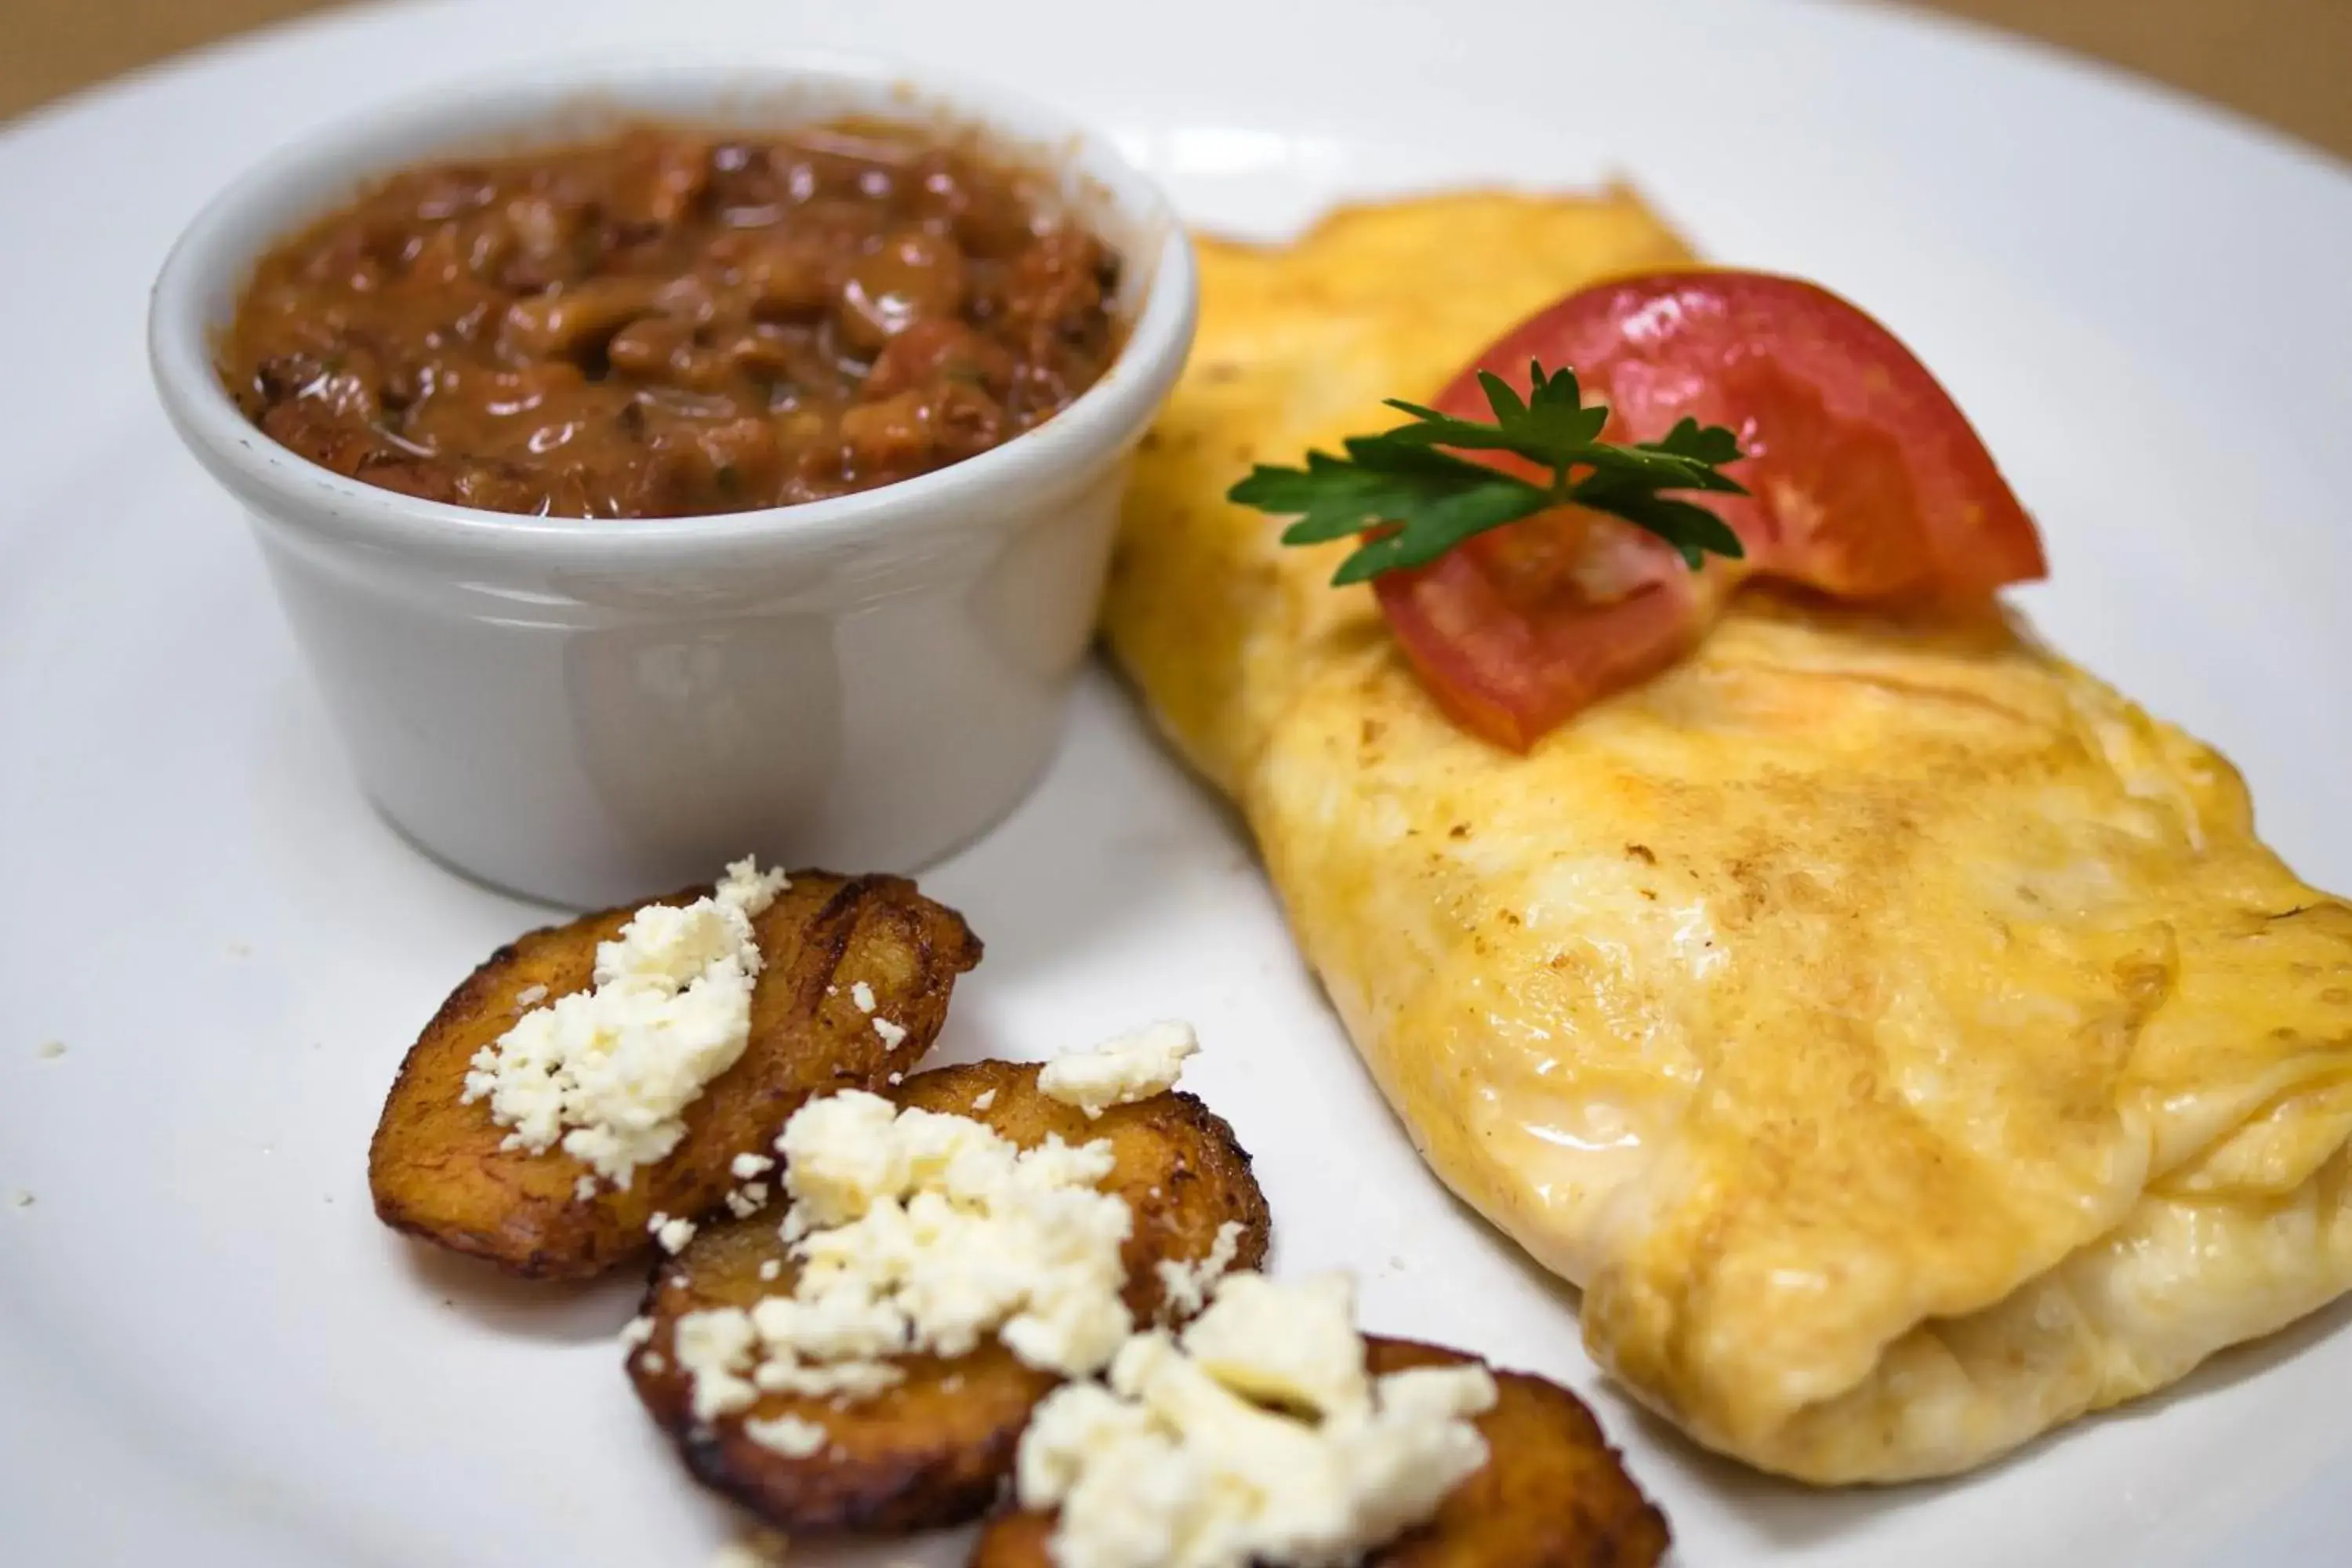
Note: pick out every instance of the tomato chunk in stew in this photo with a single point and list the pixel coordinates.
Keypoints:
(671, 320)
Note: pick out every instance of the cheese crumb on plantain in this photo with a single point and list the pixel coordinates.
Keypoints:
(920, 1232)
(1292, 1345)
(1183, 1459)
(789, 1436)
(1185, 1285)
(607, 1073)
(672, 1232)
(712, 1348)
(1120, 1071)
(893, 1036)
(863, 995)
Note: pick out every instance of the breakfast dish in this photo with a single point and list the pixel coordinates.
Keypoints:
(674, 319)
(848, 984)
(1735, 733)
(1691, 682)
(933, 1443)
(1902, 1039)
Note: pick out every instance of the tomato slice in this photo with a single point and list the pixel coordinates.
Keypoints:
(1865, 482)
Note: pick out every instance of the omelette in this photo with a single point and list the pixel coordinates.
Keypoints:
(1902, 1039)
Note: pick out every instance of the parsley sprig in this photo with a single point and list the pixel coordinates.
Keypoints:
(1418, 501)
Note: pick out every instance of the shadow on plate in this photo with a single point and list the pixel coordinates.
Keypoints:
(566, 1311)
(1784, 1514)
(2226, 1369)
(1118, 822)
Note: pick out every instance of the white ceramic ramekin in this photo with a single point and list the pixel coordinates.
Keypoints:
(591, 712)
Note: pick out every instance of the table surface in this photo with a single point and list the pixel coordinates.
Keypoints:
(2286, 62)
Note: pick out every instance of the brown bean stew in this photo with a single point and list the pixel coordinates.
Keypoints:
(670, 320)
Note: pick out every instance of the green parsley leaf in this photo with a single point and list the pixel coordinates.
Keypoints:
(1413, 499)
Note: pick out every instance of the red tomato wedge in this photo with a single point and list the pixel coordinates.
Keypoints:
(1865, 482)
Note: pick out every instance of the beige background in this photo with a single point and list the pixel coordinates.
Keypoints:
(2288, 62)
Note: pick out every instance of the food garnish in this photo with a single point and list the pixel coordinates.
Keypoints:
(608, 1072)
(875, 1374)
(1861, 479)
(1418, 501)
(1256, 1437)
(587, 1093)
(1272, 1430)
(920, 1232)
(1134, 1066)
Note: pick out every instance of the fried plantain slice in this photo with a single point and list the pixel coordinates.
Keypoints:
(439, 1170)
(934, 1448)
(1552, 1493)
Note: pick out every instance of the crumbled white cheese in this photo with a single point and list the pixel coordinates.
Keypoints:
(585, 1189)
(772, 1268)
(652, 1362)
(920, 1232)
(1292, 1345)
(609, 1072)
(1120, 1071)
(983, 1099)
(673, 1234)
(747, 1165)
(1184, 1287)
(863, 995)
(530, 996)
(637, 1332)
(747, 1200)
(893, 1034)
(1174, 1463)
(839, 1381)
(788, 1434)
(1078, 1420)
(713, 1348)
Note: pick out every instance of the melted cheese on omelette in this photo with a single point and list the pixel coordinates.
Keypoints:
(1903, 1039)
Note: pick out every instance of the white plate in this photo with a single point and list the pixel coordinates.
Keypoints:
(210, 1352)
